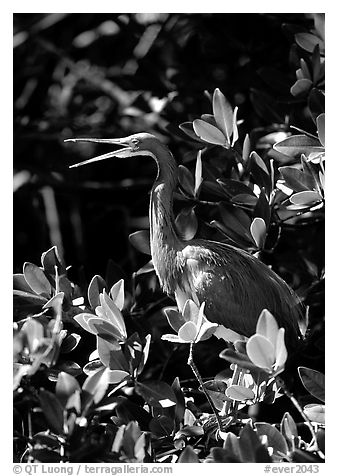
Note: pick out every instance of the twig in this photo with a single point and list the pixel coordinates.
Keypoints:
(193, 367)
(298, 407)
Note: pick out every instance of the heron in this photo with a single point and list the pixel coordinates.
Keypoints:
(235, 285)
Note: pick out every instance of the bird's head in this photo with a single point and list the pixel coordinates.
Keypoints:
(136, 144)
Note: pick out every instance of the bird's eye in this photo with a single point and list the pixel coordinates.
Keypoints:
(134, 143)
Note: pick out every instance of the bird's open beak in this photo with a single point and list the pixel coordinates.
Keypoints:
(125, 152)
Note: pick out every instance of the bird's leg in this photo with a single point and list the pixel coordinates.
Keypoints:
(193, 367)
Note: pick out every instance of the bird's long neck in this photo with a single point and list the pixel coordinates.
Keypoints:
(164, 241)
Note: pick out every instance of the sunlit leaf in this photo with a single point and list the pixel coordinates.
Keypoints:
(34, 333)
(55, 302)
(301, 87)
(104, 329)
(223, 113)
(188, 332)
(267, 326)
(298, 144)
(117, 294)
(296, 179)
(321, 128)
(209, 133)
(116, 376)
(315, 412)
(260, 351)
(239, 393)
(198, 173)
(96, 286)
(308, 197)
(258, 231)
(36, 279)
(281, 352)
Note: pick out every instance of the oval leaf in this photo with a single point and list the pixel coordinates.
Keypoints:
(315, 412)
(186, 223)
(96, 286)
(267, 326)
(36, 279)
(260, 351)
(239, 393)
(298, 144)
(223, 113)
(308, 198)
(188, 332)
(321, 128)
(66, 385)
(274, 437)
(313, 381)
(156, 394)
(141, 241)
(117, 294)
(258, 231)
(209, 133)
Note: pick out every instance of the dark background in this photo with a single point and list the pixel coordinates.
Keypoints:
(109, 75)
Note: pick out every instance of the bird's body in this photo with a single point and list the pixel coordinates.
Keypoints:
(235, 286)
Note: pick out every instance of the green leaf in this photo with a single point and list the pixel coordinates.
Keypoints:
(188, 455)
(198, 174)
(104, 329)
(70, 343)
(260, 351)
(315, 412)
(258, 231)
(239, 393)
(308, 41)
(209, 133)
(117, 294)
(66, 385)
(82, 319)
(34, 333)
(175, 318)
(313, 381)
(308, 197)
(156, 394)
(52, 410)
(267, 326)
(186, 223)
(188, 332)
(249, 444)
(321, 128)
(316, 102)
(298, 144)
(96, 385)
(96, 286)
(186, 180)
(223, 113)
(141, 241)
(289, 429)
(234, 187)
(161, 426)
(301, 87)
(50, 259)
(296, 179)
(274, 437)
(187, 128)
(55, 302)
(36, 279)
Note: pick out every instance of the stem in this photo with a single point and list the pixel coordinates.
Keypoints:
(193, 367)
(298, 407)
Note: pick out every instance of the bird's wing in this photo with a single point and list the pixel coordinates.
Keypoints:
(235, 286)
